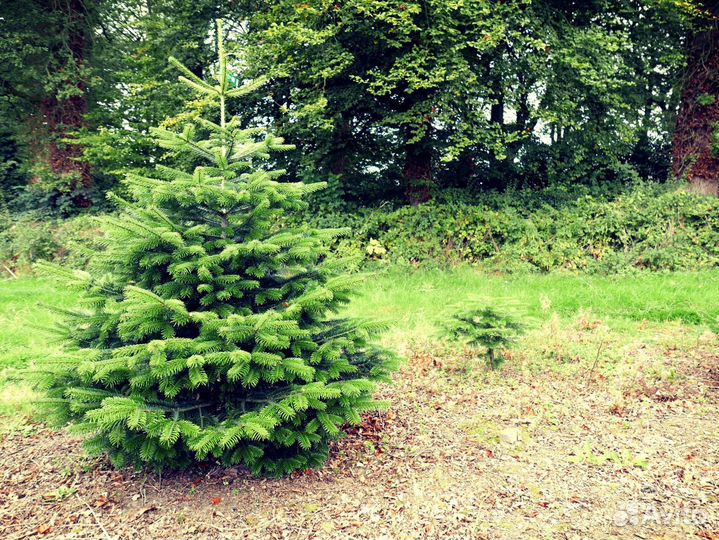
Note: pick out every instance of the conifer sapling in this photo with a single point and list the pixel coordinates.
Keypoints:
(207, 329)
(485, 328)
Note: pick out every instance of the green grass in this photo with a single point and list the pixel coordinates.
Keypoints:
(416, 301)
(24, 315)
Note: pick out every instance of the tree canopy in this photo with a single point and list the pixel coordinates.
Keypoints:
(385, 99)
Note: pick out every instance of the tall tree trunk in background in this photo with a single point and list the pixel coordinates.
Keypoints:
(693, 154)
(337, 158)
(499, 168)
(496, 114)
(417, 170)
(341, 146)
(64, 113)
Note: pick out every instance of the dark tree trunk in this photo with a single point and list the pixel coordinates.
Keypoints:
(496, 115)
(340, 147)
(467, 167)
(498, 166)
(693, 154)
(63, 116)
(523, 113)
(417, 171)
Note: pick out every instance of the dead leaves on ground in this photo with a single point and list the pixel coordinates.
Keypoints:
(416, 471)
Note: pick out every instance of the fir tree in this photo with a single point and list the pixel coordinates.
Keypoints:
(207, 330)
(485, 327)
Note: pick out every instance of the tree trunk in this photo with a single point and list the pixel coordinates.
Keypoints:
(340, 146)
(693, 149)
(499, 167)
(523, 112)
(417, 171)
(496, 115)
(62, 116)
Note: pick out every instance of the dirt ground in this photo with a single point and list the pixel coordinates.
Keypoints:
(579, 448)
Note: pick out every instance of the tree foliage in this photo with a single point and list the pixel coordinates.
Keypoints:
(387, 99)
(418, 95)
(82, 82)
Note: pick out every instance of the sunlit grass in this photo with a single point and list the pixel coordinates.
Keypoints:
(24, 317)
(416, 301)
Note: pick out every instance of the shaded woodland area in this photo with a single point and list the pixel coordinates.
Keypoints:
(386, 100)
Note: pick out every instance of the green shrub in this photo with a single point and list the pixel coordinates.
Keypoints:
(602, 230)
(27, 238)
(649, 226)
(77, 238)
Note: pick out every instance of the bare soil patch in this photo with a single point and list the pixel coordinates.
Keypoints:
(573, 450)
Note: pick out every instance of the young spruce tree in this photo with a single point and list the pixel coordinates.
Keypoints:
(207, 331)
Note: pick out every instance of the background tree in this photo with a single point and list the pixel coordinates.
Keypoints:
(482, 94)
(44, 77)
(376, 75)
(82, 83)
(388, 99)
(695, 138)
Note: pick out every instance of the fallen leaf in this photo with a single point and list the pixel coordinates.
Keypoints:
(143, 511)
(43, 529)
(216, 500)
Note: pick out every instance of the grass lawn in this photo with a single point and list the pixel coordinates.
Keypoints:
(25, 317)
(415, 302)
(602, 423)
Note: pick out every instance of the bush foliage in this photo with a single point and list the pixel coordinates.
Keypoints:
(646, 227)
(29, 237)
(650, 226)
